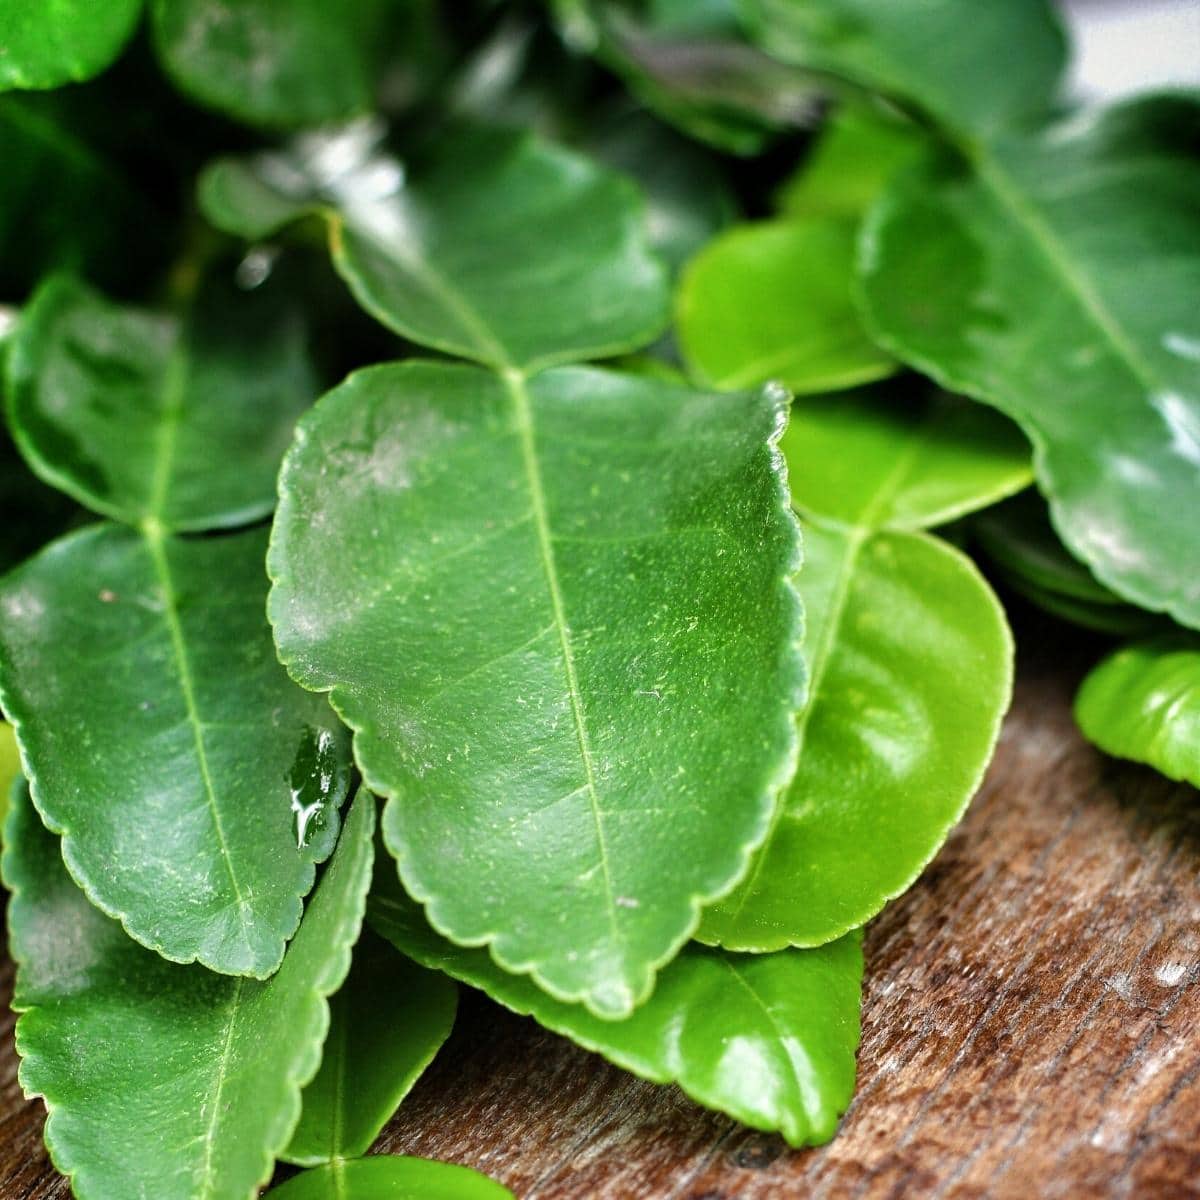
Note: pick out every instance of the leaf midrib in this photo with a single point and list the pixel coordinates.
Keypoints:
(218, 1087)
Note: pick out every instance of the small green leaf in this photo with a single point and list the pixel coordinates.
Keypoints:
(152, 417)
(159, 1079)
(858, 152)
(1143, 703)
(974, 67)
(504, 249)
(910, 663)
(388, 1177)
(768, 1039)
(277, 65)
(166, 744)
(387, 1022)
(1056, 277)
(44, 45)
(772, 301)
(574, 576)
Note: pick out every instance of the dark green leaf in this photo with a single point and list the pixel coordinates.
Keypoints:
(1143, 703)
(504, 250)
(44, 45)
(767, 1038)
(973, 67)
(159, 1079)
(583, 717)
(388, 1021)
(300, 63)
(387, 1177)
(772, 301)
(1056, 278)
(166, 744)
(909, 656)
(180, 421)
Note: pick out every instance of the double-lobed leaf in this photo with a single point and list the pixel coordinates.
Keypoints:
(1055, 277)
(773, 301)
(767, 1038)
(909, 660)
(180, 420)
(391, 1177)
(161, 1079)
(194, 784)
(45, 45)
(387, 1021)
(1143, 702)
(305, 62)
(503, 249)
(583, 714)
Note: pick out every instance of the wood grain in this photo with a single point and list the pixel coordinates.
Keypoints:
(1029, 1023)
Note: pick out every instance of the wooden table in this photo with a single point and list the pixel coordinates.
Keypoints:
(1030, 1020)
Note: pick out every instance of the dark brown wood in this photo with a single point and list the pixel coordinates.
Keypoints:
(1029, 1030)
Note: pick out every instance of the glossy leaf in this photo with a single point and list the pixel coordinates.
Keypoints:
(390, 1177)
(768, 1039)
(165, 743)
(858, 152)
(773, 301)
(573, 576)
(388, 1020)
(179, 420)
(504, 250)
(300, 63)
(973, 67)
(1143, 703)
(159, 1079)
(1021, 543)
(1056, 279)
(44, 45)
(910, 663)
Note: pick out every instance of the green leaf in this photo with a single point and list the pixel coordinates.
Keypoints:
(772, 301)
(159, 1079)
(165, 743)
(1021, 543)
(10, 768)
(574, 576)
(1056, 278)
(859, 150)
(973, 67)
(504, 249)
(388, 1021)
(44, 45)
(387, 1177)
(1143, 703)
(300, 63)
(910, 663)
(178, 420)
(768, 1039)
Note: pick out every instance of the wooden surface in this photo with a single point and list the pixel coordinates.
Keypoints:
(1031, 1021)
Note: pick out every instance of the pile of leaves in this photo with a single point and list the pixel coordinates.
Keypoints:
(568, 428)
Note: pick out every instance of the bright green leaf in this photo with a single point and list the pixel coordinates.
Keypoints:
(910, 663)
(387, 1022)
(166, 744)
(1143, 703)
(159, 1079)
(773, 301)
(859, 150)
(504, 250)
(44, 44)
(768, 1038)
(1056, 278)
(388, 1177)
(584, 715)
(179, 420)
(304, 62)
(972, 66)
